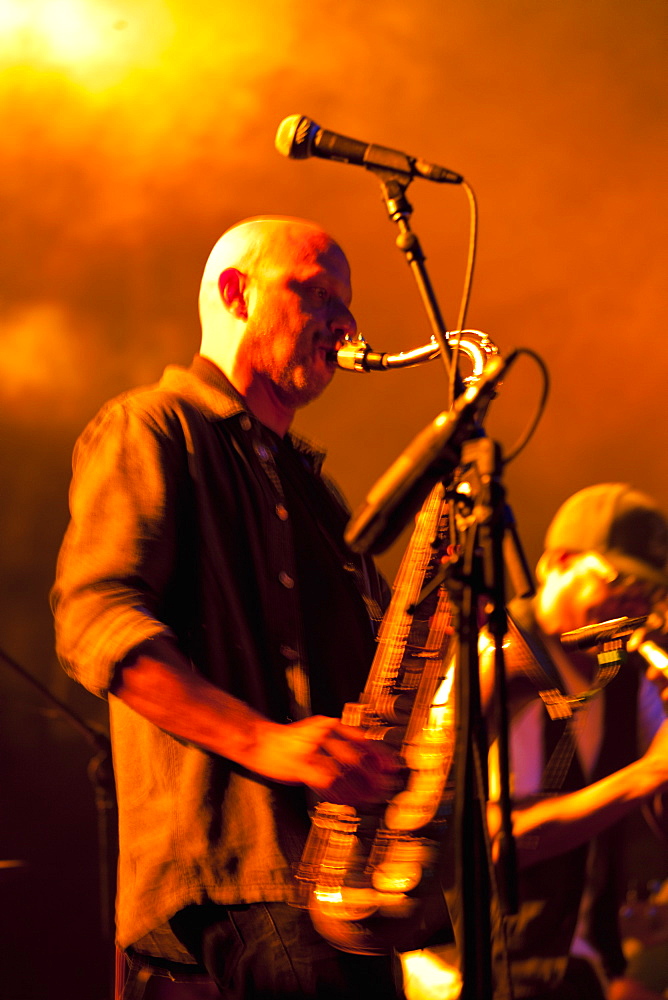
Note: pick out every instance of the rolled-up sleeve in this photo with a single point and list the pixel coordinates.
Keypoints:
(119, 551)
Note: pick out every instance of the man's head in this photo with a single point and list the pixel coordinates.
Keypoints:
(605, 557)
(274, 303)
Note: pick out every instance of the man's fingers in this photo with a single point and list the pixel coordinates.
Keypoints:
(342, 766)
(375, 751)
(343, 749)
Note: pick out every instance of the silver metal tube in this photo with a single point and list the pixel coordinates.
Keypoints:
(357, 355)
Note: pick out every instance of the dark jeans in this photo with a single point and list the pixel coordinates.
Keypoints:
(260, 951)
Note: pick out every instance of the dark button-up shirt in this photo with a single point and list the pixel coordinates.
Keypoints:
(180, 525)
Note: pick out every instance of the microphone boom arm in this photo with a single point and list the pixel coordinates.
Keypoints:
(399, 209)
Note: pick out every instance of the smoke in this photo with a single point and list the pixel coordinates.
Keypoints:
(136, 132)
(38, 354)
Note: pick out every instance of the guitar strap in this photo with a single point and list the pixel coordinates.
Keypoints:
(540, 669)
(537, 663)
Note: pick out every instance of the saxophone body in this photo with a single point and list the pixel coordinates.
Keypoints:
(371, 881)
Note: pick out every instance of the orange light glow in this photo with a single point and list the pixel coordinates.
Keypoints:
(38, 353)
(64, 28)
(93, 41)
(428, 975)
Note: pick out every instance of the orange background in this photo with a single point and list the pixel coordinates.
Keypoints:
(135, 132)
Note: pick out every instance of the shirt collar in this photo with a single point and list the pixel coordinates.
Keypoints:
(212, 392)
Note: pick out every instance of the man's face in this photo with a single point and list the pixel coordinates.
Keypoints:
(582, 589)
(297, 315)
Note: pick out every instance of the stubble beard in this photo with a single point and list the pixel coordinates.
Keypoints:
(294, 377)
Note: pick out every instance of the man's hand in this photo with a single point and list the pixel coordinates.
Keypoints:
(334, 760)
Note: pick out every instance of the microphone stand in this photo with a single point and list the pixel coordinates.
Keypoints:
(393, 186)
(100, 772)
(479, 573)
(474, 464)
(476, 573)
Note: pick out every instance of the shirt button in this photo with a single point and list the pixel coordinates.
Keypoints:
(282, 512)
(245, 422)
(262, 452)
(288, 652)
(286, 580)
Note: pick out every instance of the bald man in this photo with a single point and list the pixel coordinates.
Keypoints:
(204, 587)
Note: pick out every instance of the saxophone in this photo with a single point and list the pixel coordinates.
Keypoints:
(371, 882)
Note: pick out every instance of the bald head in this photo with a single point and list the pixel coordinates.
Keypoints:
(253, 246)
(273, 304)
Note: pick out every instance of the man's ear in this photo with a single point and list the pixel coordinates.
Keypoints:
(231, 285)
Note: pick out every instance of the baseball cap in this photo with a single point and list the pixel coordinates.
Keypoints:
(622, 524)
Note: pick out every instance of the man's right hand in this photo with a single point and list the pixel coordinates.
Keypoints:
(334, 760)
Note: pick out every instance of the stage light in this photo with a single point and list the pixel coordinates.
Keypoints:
(96, 42)
(429, 974)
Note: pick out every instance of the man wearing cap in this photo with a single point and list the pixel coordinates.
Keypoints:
(578, 778)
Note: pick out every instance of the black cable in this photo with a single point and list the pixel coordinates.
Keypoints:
(527, 434)
(468, 282)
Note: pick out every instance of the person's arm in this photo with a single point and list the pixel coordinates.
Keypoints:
(547, 827)
(119, 555)
(334, 760)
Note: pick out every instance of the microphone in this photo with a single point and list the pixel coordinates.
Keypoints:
(432, 455)
(595, 635)
(299, 137)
